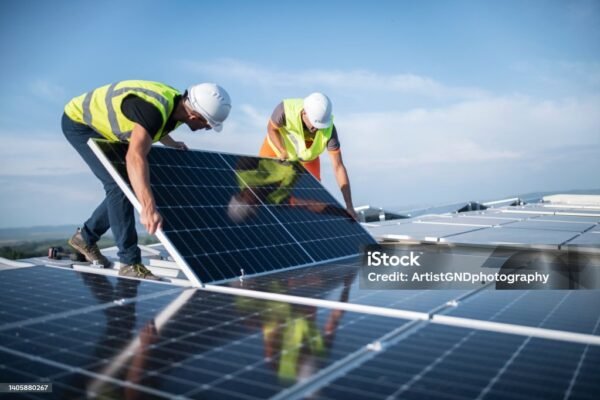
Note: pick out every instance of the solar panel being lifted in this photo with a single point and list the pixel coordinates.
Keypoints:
(227, 215)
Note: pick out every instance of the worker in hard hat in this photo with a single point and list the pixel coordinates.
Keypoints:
(302, 129)
(140, 113)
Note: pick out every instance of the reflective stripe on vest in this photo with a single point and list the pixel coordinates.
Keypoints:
(293, 134)
(100, 109)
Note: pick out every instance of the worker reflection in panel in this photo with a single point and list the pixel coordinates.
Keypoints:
(119, 340)
(271, 182)
(294, 345)
(293, 342)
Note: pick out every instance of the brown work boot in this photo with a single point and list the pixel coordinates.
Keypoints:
(91, 253)
(137, 271)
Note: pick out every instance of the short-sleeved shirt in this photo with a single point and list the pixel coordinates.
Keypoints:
(147, 115)
(278, 118)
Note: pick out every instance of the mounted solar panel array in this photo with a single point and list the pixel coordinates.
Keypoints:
(124, 338)
(530, 226)
(94, 336)
(442, 362)
(227, 215)
(313, 334)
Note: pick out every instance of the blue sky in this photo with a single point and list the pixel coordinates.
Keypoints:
(435, 102)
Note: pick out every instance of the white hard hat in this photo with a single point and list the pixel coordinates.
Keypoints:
(239, 211)
(318, 110)
(212, 102)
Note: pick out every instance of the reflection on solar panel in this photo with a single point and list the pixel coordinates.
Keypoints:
(339, 282)
(224, 214)
(451, 363)
(304, 332)
(94, 336)
(180, 342)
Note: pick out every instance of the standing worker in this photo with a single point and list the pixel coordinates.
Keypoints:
(301, 129)
(141, 113)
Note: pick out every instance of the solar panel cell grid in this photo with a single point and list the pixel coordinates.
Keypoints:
(339, 282)
(226, 213)
(547, 309)
(452, 363)
(212, 343)
(94, 336)
(36, 292)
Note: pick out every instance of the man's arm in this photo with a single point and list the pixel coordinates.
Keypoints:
(170, 142)
(341, 176)
(276, 139)
(139, 176)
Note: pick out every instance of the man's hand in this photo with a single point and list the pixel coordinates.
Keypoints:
(179, 145)
(151, 219)
(170, 142)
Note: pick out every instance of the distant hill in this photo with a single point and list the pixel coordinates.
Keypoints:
(35, 233)
(34, 241)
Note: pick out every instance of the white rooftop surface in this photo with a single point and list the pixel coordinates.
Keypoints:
(584, 200)
(513, 237)
(533, 225)
(5, 263)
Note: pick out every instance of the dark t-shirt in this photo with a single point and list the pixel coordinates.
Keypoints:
(146, 114)
(278, 118)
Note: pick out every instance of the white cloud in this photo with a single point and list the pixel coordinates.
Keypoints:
(254, 118)
(472, 132)
(243, 133)
(25, 154)
(561, 76)
(471, 146)
(47, 90)
(365, 81)
(475, 149)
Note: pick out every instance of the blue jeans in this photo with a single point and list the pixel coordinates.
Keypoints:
(115, 212)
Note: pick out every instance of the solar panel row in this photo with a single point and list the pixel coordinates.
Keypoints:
(210, 346)
(117, 341)
(441, 362)
(97, 336)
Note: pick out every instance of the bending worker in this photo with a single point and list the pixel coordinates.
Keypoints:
(138, 112)
(301, 129)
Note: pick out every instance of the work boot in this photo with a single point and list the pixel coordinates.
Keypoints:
(137, 271)
(91, 253)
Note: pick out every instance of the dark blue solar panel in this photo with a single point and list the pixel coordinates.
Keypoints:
(339, 282)
(567, 310)
(209, 345)
(37, 292)
(227, 213)
(441, 362)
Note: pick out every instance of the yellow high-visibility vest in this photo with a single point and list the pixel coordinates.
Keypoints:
(293, 134)
(100, 109)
